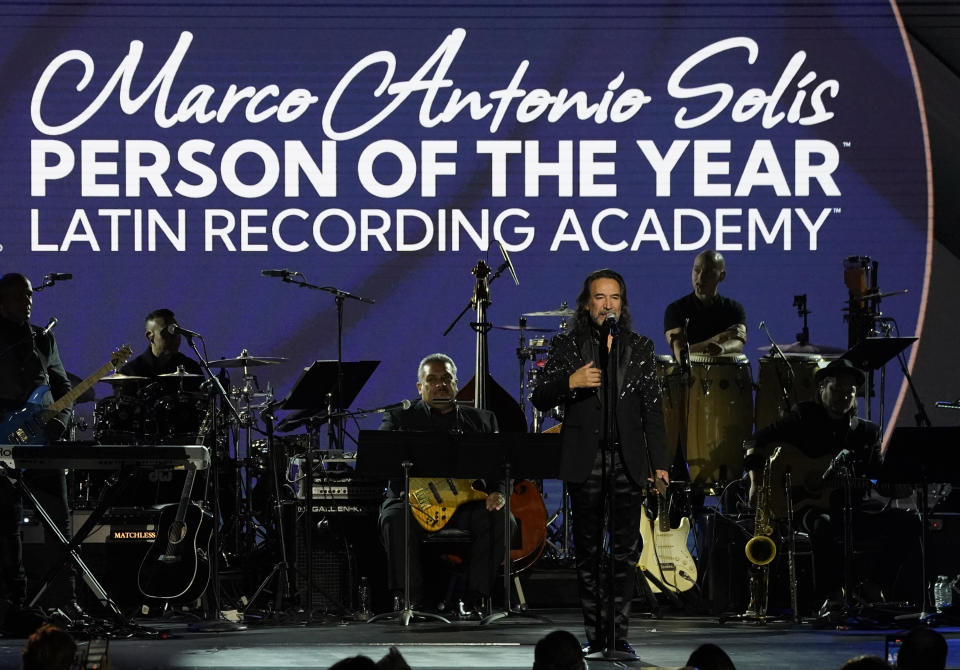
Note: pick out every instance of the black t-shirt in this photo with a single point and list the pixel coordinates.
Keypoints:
(706, 319)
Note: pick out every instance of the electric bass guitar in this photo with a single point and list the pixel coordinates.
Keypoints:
(665, 555)
(177, 565)
(434, 500)
(28, 424)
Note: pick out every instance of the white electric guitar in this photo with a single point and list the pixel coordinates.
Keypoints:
(665, 556)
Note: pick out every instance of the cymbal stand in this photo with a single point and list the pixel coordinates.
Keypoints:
(214, 619)
(246, 528)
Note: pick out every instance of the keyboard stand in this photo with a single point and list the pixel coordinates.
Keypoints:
(69, 547)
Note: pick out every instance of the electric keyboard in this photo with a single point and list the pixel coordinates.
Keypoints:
(105, 456)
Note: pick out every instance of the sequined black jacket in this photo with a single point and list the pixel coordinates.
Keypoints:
(639, 415)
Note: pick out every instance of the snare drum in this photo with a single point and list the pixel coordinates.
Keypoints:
(773, 377)
(720, 417)
(120, 419)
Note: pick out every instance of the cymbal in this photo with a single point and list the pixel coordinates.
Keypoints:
(525, 329)
(180, 373)
(86, 396)
(244, 360)
(565, 312)
(119, 378)
(808, 348)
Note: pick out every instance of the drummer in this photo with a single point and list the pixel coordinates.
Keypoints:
(163, 355)
(716, 325)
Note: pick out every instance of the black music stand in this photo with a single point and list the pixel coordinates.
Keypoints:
(873, 353)
(381, 453)
(319, 388)
(522, 456)
(919, 456)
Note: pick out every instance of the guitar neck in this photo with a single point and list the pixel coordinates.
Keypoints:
(70, 396)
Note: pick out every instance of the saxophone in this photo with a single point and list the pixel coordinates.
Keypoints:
(761, 549)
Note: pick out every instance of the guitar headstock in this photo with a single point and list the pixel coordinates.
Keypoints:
(120, 356)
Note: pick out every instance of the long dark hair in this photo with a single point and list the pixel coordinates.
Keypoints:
(581, 320)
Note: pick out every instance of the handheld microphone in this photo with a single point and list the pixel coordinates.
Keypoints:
(280, 273)
(177, 329)
(57, 276)
(506, 258)
(50, 324)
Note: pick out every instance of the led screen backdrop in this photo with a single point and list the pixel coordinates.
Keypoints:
(165, 154)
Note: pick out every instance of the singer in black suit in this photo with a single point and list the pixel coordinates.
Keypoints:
(605, 377)
(437, 411)
(715, 324)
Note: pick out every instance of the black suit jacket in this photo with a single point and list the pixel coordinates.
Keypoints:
(639, 416)
(419, 417)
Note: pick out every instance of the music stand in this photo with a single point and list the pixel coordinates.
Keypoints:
(380, 453)
(320, 387)
(873, 353)
(522, 456)
(918, 456)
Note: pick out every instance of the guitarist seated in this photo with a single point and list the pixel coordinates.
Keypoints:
(437, 411)
(817, 440)
(29, 358)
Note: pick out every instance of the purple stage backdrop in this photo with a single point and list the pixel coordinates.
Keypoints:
(166, 153)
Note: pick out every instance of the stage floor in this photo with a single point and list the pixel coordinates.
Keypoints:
(505, 645)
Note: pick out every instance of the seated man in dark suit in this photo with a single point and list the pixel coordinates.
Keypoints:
(437, 411)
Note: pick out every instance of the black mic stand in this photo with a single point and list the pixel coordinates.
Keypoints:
(334, 411)
(214, 621)
(608, 359)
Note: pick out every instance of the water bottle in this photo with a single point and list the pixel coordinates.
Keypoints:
(943, 593)
(363, 592)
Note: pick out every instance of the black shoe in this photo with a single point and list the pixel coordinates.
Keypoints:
(623, 647)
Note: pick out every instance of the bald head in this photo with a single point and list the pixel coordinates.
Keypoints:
(709, 269)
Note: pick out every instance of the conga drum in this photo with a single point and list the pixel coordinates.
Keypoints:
(773, 377)
(672, 400)
(719, 418)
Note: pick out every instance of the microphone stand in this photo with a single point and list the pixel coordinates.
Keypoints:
(215, 622)
(334, 416)
(609, 360)
(785, 384)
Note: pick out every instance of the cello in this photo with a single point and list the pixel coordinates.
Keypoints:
(526, 502)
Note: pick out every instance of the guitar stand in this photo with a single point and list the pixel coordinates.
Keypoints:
(69, 551)
(405, 615)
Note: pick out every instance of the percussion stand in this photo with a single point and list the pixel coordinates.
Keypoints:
(215, 620)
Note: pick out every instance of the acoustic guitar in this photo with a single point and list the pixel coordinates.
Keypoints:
(27, 425)
(808, 487)
(177, 565)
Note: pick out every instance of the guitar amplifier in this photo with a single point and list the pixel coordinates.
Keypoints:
(113, 552)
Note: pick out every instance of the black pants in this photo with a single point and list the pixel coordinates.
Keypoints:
(486, 550)
(588, 507)
(50, 488)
